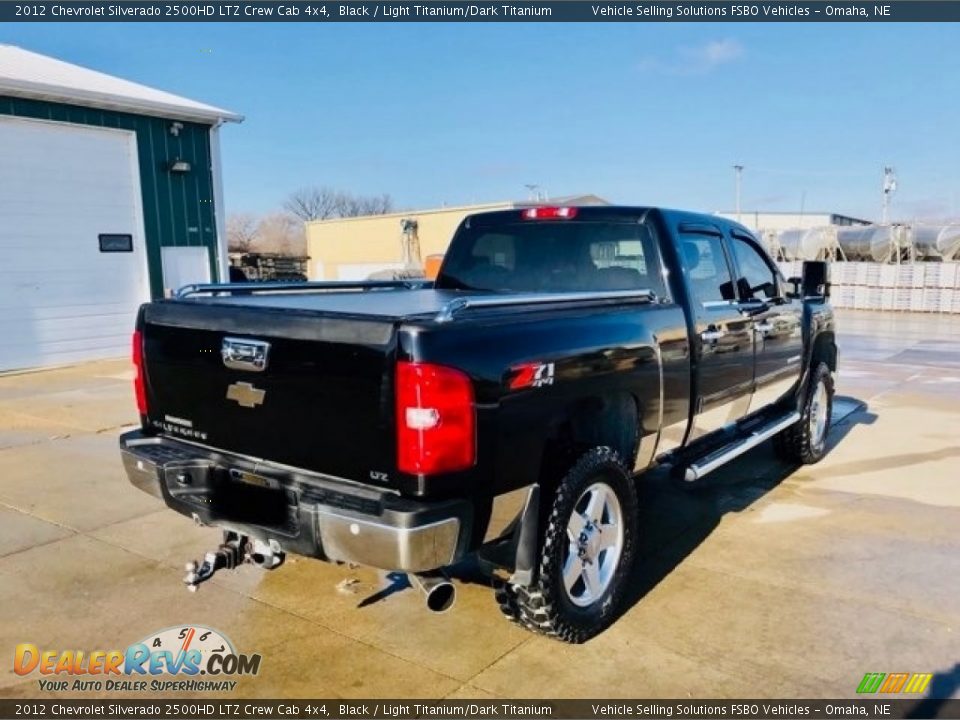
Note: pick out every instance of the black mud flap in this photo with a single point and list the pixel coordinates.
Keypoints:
(527, 538)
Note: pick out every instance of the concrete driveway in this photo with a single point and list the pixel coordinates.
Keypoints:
(771, 581)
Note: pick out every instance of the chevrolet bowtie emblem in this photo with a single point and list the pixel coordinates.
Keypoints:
(246, 394)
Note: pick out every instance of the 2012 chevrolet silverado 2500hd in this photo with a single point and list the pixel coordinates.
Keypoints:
(504, 411)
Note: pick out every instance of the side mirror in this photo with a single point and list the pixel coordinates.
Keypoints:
(769, 289)
(816, 279)
(754, 306)
(727, 291)
(796, 285)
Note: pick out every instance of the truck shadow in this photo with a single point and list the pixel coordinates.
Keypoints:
(943, 686)
(675, 520)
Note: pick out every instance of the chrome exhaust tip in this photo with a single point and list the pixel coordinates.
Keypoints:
(441, 597)
(440, 594)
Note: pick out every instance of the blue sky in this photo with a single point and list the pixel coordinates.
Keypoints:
(638, 113)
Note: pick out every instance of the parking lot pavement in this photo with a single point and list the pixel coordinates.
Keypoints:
(768, 581)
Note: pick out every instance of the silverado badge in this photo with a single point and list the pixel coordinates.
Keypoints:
(246, 394)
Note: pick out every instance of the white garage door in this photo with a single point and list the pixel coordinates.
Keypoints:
(64, 299)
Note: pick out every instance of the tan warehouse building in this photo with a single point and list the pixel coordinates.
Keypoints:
(356, 248)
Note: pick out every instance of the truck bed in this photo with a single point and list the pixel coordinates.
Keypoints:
(386, 304)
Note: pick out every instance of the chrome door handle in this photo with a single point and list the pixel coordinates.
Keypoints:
(712, 335)
(244, 354)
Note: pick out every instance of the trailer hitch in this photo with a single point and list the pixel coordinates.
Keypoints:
(235, 550)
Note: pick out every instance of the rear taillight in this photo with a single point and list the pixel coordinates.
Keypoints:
(549, 213)
(139, 388)
(436, 425)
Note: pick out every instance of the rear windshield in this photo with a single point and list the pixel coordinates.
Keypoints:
(553, 256)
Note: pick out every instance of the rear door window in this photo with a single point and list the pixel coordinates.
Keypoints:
(708, 272)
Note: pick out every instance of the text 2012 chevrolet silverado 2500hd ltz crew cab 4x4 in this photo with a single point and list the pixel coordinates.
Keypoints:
(502, 412)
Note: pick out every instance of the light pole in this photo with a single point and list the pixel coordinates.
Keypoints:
(738, 173)
(889, 188)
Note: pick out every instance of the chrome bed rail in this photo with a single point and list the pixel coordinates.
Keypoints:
(457, 305)
(251, 288)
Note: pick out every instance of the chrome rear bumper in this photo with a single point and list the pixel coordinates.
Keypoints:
(304, 513)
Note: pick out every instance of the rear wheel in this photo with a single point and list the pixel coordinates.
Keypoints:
(586, 554)
(806, 441)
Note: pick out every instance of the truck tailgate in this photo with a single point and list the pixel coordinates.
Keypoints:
(323, 402)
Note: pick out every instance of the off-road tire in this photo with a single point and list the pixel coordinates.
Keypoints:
(795, 444)
(506, 598)
(544, 606)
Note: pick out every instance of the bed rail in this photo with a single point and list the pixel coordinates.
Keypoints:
(252, 288)
(460, 304)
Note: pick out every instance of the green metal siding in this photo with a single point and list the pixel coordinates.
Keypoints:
(178, 208)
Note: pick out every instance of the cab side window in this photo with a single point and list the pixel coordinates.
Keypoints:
(707, 269)
(625, 257)
(757, 281)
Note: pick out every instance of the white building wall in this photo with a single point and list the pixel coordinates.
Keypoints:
(62, 298)
(760, 221)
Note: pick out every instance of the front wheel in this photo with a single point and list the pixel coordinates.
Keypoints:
(587, 551)
(806, 441)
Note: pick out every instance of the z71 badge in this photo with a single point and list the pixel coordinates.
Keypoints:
(530, 375)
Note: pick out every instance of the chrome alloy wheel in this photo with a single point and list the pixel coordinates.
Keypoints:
(819, 415)
(595, 543)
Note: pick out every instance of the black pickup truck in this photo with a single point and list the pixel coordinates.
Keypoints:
(502, 413)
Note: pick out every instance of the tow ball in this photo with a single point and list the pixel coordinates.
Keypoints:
(235, 550)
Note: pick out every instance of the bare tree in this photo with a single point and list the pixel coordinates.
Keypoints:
(314, 203)
(358, 205)
(322, 203)
(241, 232)
(280, 233)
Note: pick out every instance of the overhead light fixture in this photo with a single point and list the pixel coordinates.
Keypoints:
(175, 128)
(179, 166)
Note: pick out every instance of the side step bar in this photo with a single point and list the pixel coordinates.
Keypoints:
(711, 462)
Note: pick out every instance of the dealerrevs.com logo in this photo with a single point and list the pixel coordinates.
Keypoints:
(185, 653)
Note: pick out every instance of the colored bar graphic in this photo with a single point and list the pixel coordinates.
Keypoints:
(918, 683)
(894, 683)
(871, 682)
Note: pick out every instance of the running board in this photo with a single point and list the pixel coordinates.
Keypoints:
(711, 462)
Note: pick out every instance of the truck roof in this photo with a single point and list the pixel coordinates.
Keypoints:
(389, 306)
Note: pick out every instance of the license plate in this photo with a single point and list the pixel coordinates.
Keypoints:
(255, 480)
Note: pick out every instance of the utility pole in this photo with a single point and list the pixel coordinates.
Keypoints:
(738, 174)
(889, 188)
(410, 244)
(533, 191)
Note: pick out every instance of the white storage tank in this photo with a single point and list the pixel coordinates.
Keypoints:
(807, 243)
(873, 243)
(936, 242)
(771, 241)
